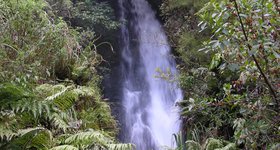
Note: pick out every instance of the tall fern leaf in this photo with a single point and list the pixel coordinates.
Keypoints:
(64, 147)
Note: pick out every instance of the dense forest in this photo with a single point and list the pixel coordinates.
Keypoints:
(55, 55)
(228, 53)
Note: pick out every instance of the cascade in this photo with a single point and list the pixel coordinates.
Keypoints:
(149, 101)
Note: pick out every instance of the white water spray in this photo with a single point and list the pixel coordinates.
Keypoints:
(151, 117)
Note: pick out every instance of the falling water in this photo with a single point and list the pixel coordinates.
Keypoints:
(149, 101)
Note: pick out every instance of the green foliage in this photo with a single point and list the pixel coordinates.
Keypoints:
(56, 111)
(212, 144)
(186, 39)
(188, 44)
(229, 70)
(216, 61)
(50, 96)
(179, 141)
(88, 14)
(173, 4)
(230, 146)
(96, 13)
(120, 146)
(192, 145)
(38, 138)
(30, 48)
(64, 147)
(85, 139)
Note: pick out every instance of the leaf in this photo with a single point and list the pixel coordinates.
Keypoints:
(39, 138)
(88, 138)
(192, 145)
(277, 55)
(216, 61)
(243, 15)
(64, 147)
(121, 147)
(66, 100)
(233, 67)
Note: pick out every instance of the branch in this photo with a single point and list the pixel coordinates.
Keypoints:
(273, 93)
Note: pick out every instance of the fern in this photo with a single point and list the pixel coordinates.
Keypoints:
(64, 147)
(59, 121)
(87, 139)
(39, 138)
(85, 91)
(10, 94)
(91, 138)
(35, 107)
(57, 94)
(7, 119)
(121, 146)
(210, 144)
(66, 100)
(6, 134)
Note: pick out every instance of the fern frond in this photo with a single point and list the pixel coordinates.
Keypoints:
(121, 147)
(87, 139)
(57, 94)
(66, 100)
(25, 131)
(10, 94)
(61, 96)
(64, 147)
(6, 134)
(85, 91)
(39, 138)
(59, 121)
(35, 107)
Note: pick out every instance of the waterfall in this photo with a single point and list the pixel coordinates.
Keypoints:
(150, 114)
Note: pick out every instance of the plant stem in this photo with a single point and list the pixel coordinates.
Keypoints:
(273, 93)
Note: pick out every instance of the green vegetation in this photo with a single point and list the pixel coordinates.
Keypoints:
(228, 52)
(50, 95)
